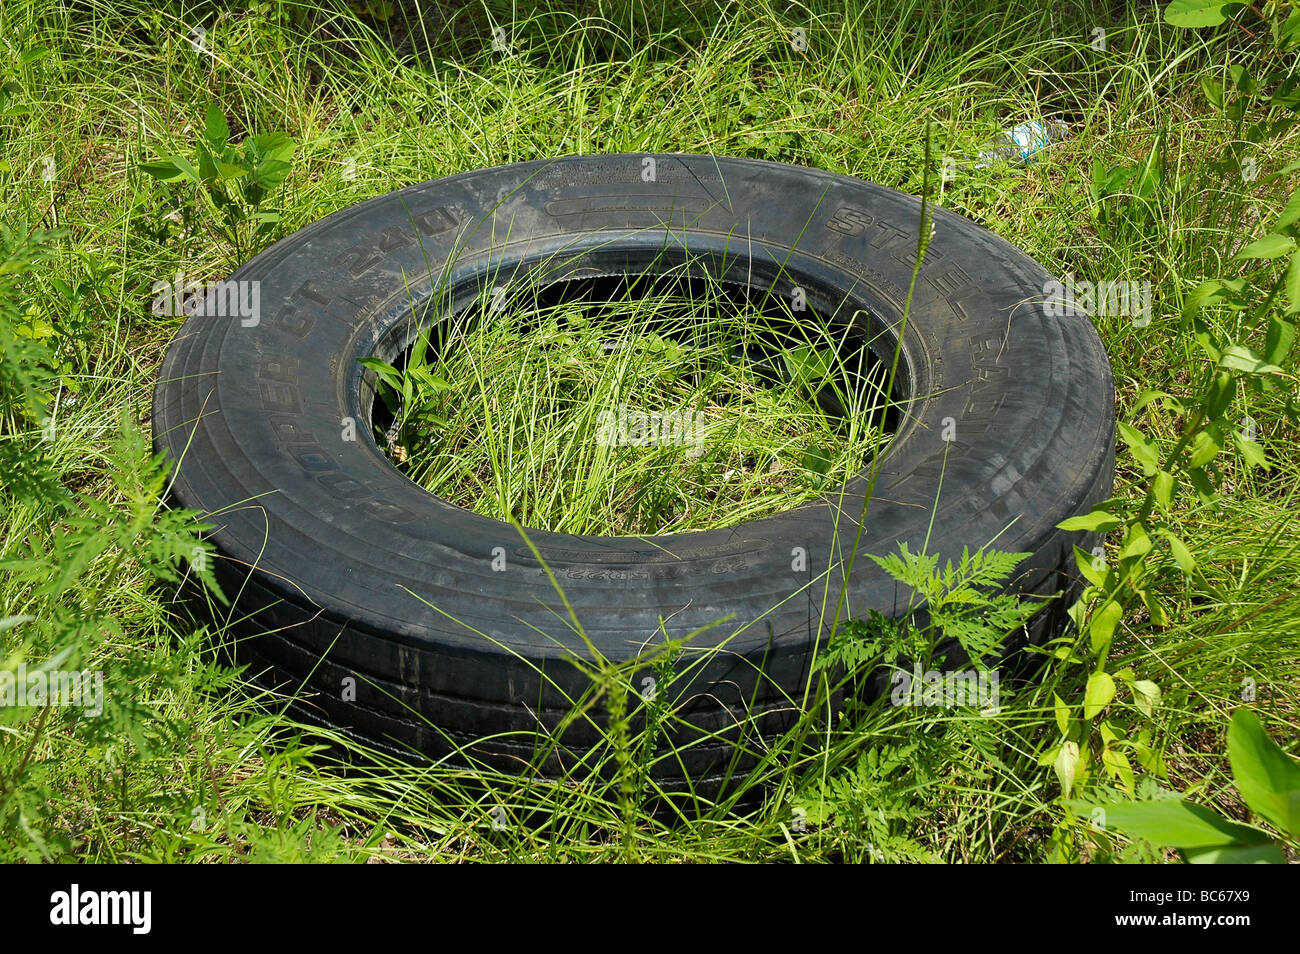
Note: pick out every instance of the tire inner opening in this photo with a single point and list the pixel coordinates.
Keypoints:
(636, 405)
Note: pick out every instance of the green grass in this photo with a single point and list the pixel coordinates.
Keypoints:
(196, 766)
(635, 411)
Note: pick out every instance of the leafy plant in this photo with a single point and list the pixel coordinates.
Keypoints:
(23, 66)
(234, 181)
(1268, 781)
(868, 809)
(414, 397)
(1192, 14)
(1245, 354)
(819, 376)
(1126, 197)
(962, 602)
(62, 622)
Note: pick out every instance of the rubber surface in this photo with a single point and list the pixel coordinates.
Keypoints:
(443, 621)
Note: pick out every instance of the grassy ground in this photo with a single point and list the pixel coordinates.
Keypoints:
(189, 765)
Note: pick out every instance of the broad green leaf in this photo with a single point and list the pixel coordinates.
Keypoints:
(809, 367)
(1152, 603)
(816, 459)
(1289, 32)
(1096, 520)
(273, 146)
(1242, 79)
(1261, 853)
(270, 173)
(1146, 695)
(1110, 502)
(215, 129)
(1174, 823)
(1270, 246)
(1101, 689)
(1250, 451)
(180, 162)
(163, 171)
(1144, 452)
(426, 379)
(1148, 758)
(1290, 212)
(418, 351)
(1162, 488)
(1062, 712)
(1204, 294)
(1117, 764)
(1066, 765)
(1213, 90)
(229, 171)
(1050, 756)
(1182, 556)
(1087, 566)
(1205, 447)
(207, 165)
(1146, 397)
(1205, 491)
(1192, 14)
(1240, 358)
(1102, 625)
(1287, 95)
(1136, 542)
(1268, 778)
(1223, 388)
(1207, 345)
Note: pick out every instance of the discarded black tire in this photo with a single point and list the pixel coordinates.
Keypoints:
(429, 630)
